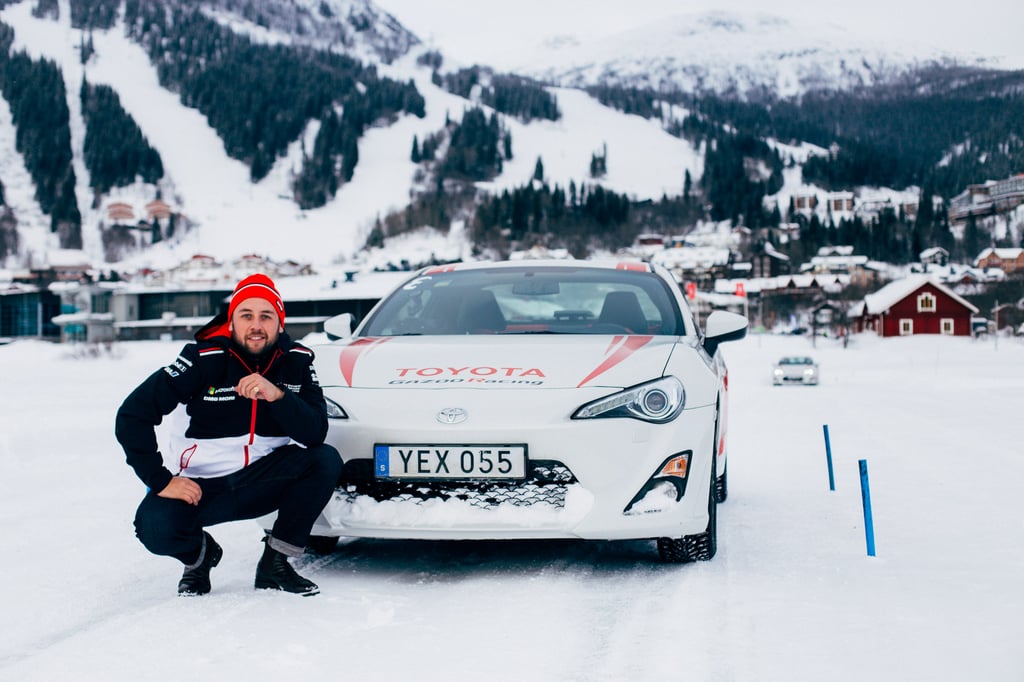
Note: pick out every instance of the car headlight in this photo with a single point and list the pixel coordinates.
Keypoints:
(334, 410)
(778, 372)
(657, 402)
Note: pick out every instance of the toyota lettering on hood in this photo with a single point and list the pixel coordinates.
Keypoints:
(556, 362)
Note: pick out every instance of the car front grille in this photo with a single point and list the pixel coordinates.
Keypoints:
(545, 483)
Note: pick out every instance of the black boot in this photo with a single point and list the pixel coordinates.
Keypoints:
(196, 580)
(273, 572)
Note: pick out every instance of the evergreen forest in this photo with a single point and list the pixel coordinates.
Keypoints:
(116, 152)
(34, 90)
(260, 98)
(511, 95)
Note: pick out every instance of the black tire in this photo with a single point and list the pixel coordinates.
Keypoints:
(699, 547)
(322, 544)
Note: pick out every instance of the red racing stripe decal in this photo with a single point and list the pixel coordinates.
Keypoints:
(350, 354)
(620, 349)
(440, 269)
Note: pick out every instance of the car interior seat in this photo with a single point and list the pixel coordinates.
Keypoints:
(480, 312)
(622, 308)
(442, 310)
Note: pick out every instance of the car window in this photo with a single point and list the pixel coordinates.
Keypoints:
(569, 300)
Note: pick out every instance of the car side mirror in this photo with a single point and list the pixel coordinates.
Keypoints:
(339, 326)
(721, 327)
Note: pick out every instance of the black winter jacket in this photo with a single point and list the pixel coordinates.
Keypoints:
(224, 432)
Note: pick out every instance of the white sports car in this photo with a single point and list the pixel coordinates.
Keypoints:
(530, 399)
(795, 369)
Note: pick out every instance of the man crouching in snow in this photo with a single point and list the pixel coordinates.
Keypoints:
(253, 444)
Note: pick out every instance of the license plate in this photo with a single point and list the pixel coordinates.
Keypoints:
(449, 461)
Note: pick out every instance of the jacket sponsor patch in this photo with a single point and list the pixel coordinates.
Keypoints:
(216, 395)
(178, 367)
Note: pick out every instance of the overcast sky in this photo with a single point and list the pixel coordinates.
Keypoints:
(495, 32)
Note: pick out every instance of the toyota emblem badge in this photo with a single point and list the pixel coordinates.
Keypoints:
(452, 415)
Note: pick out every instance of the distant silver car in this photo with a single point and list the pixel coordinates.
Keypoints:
(796, 369)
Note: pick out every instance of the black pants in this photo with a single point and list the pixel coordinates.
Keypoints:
(297, 482)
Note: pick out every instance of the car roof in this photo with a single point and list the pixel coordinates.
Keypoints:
(540, 264)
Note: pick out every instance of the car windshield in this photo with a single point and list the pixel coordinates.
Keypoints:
(796, 361)
(529, 300)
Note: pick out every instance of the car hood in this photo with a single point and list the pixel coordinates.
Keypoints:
(510, 361)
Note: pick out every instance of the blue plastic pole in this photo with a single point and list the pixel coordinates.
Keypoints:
(828, 456)
(865, 494)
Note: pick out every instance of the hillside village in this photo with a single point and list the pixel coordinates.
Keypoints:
(837, 291)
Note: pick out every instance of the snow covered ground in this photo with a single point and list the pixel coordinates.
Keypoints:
(791, 595)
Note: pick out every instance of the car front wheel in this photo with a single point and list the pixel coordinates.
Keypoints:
(699, 547)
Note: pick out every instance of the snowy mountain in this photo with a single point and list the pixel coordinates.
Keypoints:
(230, 215)
(725, 52)
(230, 205)
(356, 26)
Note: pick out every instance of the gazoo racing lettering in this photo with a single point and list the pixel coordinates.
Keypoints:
(519, 372)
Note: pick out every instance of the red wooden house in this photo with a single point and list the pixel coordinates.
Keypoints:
(915, 305)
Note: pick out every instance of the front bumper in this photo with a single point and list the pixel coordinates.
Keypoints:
(584, 474)
(809, 380)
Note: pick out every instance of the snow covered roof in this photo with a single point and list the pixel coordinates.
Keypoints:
(326, 286)
(83, 318)
(758, 284)
(1002, 254)
(844, 250)
(67, 258)
(933, 251)
(17, 288)
(690, 257)
(836, 261)
(894, 292)
(365, 285)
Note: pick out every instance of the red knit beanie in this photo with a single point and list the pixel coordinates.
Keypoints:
(257, 286)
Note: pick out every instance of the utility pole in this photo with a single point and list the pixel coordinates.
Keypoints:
(995, 319)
